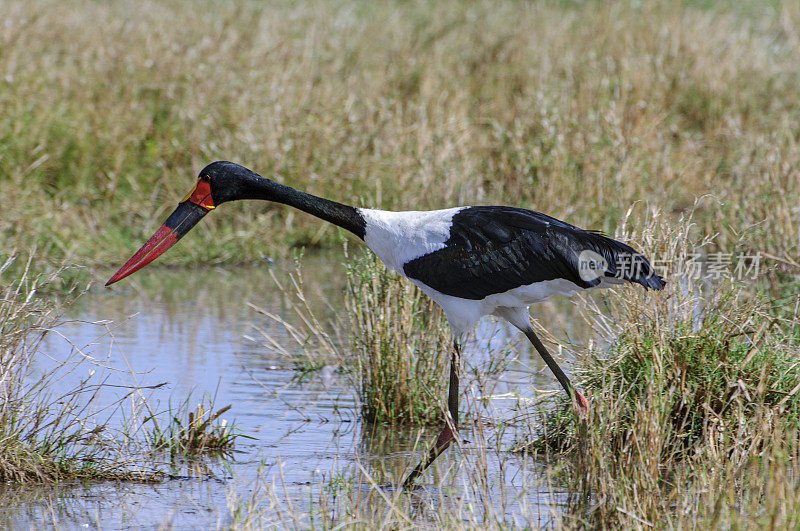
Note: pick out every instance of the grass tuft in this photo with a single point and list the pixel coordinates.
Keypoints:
(396, 349)
(706, 371)
(401, 343)
(49, 432)
(692, 384)
(192, 431)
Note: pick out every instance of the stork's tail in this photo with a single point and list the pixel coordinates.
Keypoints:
(652, 281)
(615, 260)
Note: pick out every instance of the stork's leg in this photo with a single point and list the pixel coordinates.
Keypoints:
(583, 404)
(447, 436)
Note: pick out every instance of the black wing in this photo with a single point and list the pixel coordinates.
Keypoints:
(493, 249)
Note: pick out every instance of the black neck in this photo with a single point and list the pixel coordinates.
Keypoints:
(344, 216)
(241, 183)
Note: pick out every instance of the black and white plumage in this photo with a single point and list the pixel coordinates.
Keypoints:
(473, 261)
(484, 260)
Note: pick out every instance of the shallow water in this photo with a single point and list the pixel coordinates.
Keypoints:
(192, 330)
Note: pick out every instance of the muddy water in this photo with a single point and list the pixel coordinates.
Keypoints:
(191, 329)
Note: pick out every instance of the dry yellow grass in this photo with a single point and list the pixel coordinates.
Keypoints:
(695, 402)
(578, 110)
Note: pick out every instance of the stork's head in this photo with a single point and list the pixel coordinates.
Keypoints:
(218, 182)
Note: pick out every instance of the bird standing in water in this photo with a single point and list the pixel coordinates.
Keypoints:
(472, 261)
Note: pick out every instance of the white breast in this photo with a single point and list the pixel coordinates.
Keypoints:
(399, 237)
(511, 305)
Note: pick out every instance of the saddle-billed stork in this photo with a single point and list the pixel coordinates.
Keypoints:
(473, 261)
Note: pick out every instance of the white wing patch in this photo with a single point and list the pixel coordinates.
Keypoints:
(399, 237)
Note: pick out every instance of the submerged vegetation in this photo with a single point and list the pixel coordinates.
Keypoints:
(62, 419)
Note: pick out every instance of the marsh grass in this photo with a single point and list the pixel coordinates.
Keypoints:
(578, 109)
(695, 396)
(62, 418)
(49, 431)
(694, 421)
(401, 343)
(391, 340)
(190, 431)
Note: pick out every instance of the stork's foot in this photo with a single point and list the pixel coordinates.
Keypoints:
(446, 437)
(448, 434)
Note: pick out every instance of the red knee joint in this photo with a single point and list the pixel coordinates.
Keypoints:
(583, 405)
(446, 437)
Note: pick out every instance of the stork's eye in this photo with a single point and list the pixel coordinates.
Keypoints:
(205, 178)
